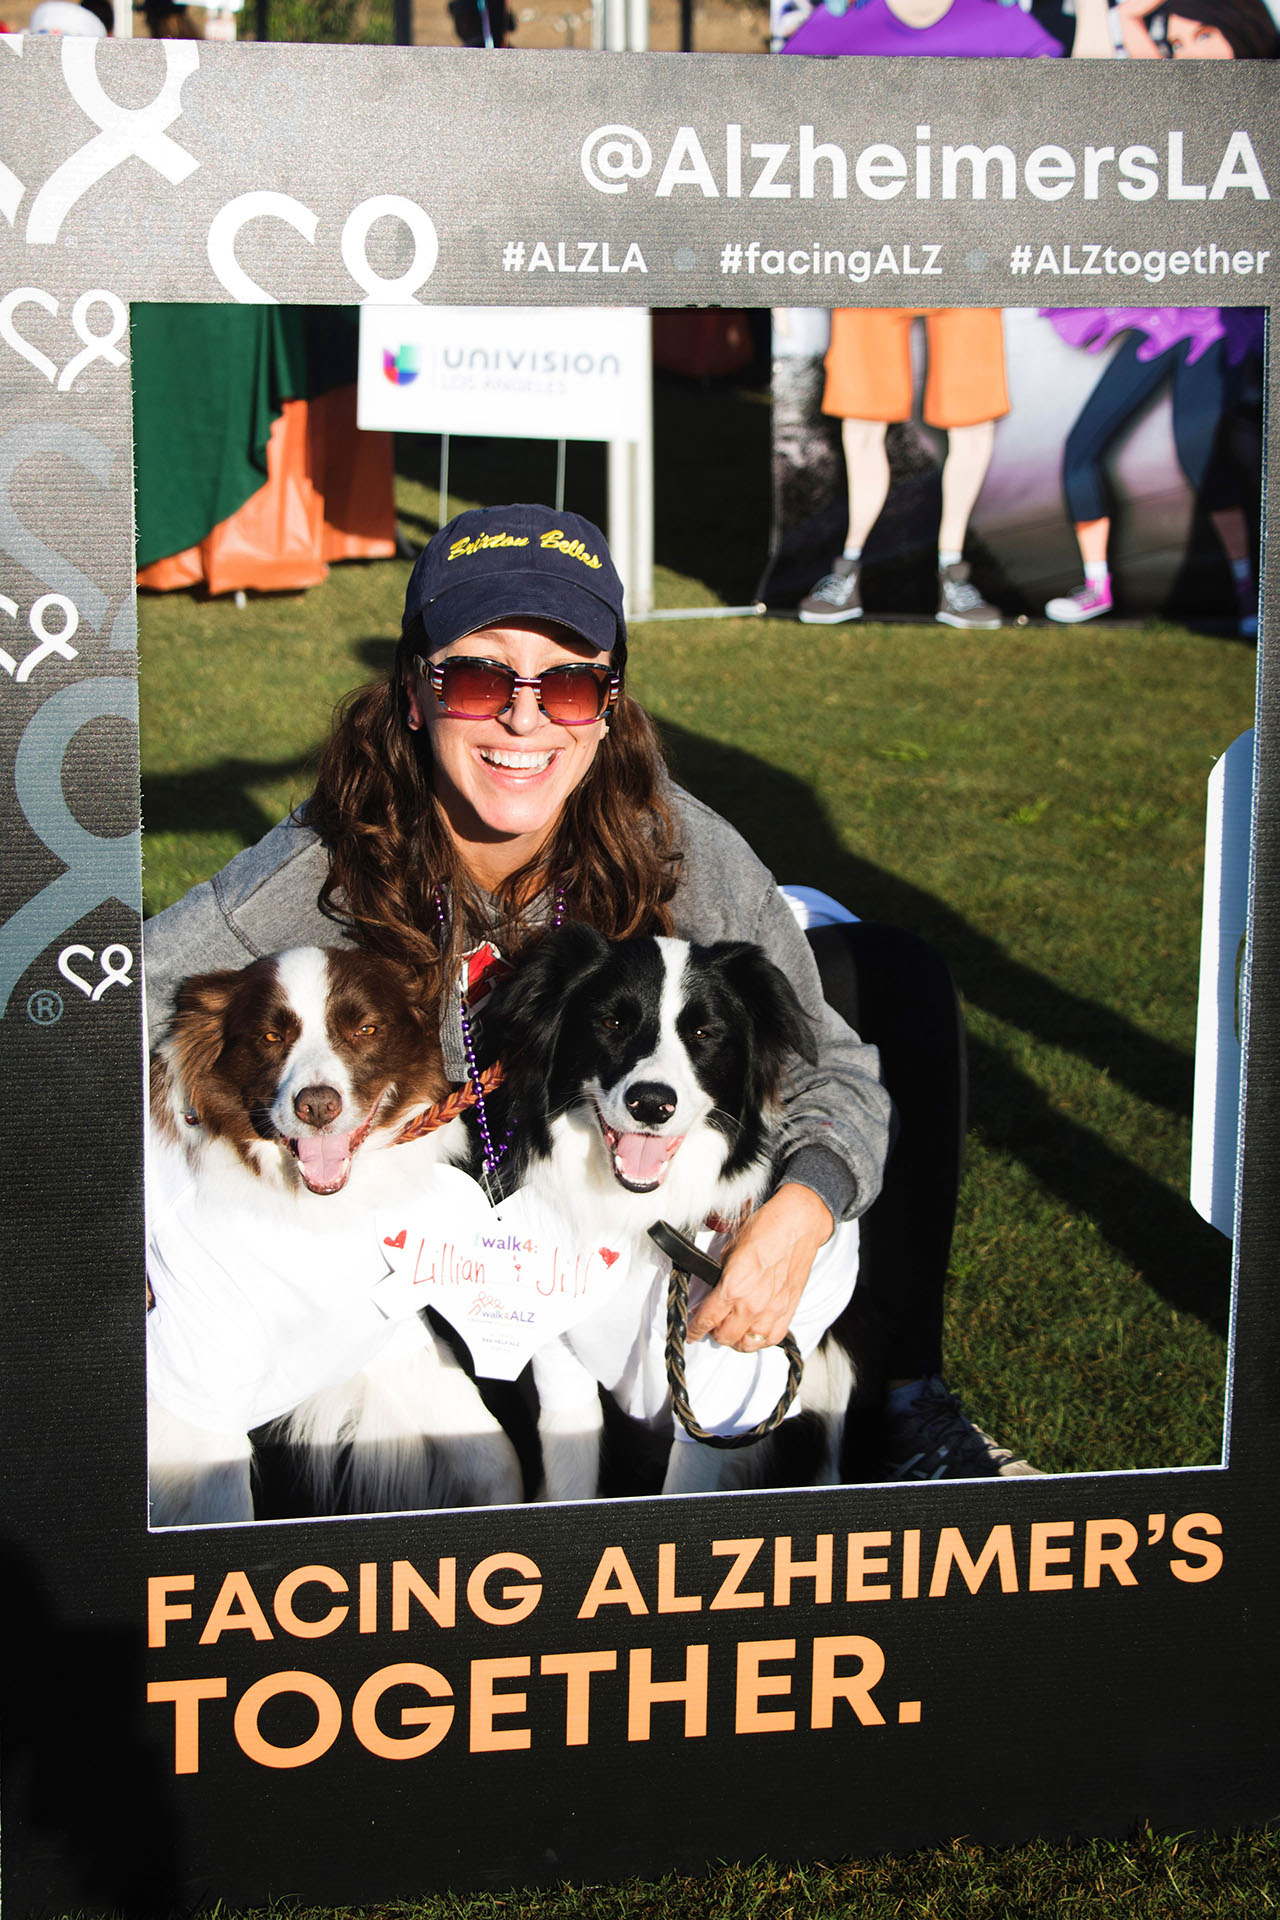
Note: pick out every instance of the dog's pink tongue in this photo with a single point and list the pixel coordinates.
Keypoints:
(642, 1157)
(325, 1158)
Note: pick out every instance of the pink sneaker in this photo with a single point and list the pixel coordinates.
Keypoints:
(1086, 603)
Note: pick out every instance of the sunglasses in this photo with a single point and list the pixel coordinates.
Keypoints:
(470, 689)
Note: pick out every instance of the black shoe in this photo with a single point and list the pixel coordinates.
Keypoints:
(934, 1439)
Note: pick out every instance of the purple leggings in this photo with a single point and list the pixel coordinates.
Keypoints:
(1198, 395)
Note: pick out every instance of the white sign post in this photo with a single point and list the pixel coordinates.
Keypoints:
(532, 373)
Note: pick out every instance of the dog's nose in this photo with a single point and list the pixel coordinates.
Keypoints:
(317, 1106)
(651, 1103)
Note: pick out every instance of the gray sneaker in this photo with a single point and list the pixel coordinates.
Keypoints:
(837, 596)
(959, 603)
(936, 1440)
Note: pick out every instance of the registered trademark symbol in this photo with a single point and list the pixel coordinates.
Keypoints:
(45, 1007)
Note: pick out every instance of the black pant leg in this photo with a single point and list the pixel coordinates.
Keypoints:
(898, 993)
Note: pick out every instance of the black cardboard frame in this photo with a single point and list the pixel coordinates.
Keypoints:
(1059, 1656)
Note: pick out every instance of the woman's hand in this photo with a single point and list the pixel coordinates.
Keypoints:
(765, 1272)
(1092, 39)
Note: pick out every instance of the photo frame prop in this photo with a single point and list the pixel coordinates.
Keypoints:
(357, 1710)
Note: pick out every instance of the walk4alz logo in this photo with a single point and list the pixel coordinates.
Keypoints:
(510, 1278)
(723, 165)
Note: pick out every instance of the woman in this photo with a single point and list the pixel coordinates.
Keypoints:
(433, 833)
(1194, 349)
(1219, 30)
(1200, 353)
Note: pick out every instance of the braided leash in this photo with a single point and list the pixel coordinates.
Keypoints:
(677, 1332)
(451, 1106)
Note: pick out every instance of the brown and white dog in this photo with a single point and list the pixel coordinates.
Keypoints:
(280, 1096)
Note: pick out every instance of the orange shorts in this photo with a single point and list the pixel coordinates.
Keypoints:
(869, 365)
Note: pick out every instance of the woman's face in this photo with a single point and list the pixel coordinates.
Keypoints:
(1192, 40)
(503, 783)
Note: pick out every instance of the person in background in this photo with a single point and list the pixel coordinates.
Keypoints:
(91, 21)
(1217, 30)
(1203, 352)
(169, 20)
(869, 382)
(482, 23)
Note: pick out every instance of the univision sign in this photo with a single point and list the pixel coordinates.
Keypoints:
(573, 373)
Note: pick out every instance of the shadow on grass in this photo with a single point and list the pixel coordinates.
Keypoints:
(1185, 1261)
(218, 798)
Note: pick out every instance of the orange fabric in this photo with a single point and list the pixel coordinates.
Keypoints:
(869, 365)
(329, 495)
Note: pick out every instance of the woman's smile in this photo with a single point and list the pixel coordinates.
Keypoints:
(503, 782)
(525, 763)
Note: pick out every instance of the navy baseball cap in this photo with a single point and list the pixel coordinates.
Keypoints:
(497, 564)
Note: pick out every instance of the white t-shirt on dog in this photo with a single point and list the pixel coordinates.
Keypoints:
(255, 1310)
(728, 1391)
(258, 1308)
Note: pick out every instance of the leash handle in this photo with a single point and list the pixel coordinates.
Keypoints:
(682, 1253)
(687, 1259)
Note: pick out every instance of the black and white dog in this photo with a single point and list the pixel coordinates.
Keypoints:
(280, 1096)
(644, 1082)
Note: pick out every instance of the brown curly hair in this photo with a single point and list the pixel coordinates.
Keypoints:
(613, 849)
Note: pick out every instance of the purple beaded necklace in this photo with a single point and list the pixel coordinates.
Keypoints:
(492, 1154)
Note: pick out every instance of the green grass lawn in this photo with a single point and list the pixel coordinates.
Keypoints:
(1146, 1877)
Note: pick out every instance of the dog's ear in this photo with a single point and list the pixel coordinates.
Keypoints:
(522, 1027)
(195, 1036)
(422, 986)
(522, 1024)
(780, 1023)
(415, 981)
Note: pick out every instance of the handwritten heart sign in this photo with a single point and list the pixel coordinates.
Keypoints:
(510, 1278)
